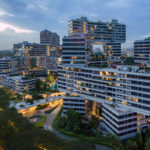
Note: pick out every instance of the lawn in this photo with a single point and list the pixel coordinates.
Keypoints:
(41, 122)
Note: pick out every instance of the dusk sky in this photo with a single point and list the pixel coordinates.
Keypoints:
(22, 20)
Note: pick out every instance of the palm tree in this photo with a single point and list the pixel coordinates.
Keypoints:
(24, 96)
(24, 93)
(19, 97)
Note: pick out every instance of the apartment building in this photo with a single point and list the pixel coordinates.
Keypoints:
(10, 65)
(75, 50)
(5, 65)
(23, 49)
(122, 122)
(73, 102)
(51, 38)
(52, 60)
(19, 84)
(32, 55)
(142, 51)
(123, 86)
(126, 86)
(109, 34)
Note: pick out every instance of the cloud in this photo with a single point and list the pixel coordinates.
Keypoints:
(38, 4)
(9, 37)
(4, 26)
(4, 13)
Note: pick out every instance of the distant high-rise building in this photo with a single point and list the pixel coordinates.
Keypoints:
(18, 83)
(22, 49)
(51, 38)
(142, 51)
(109, 34)
(5, 65)
(33, 55)
(74, 50)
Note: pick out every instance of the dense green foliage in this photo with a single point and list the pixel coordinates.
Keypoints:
(17, 133)
(75, 123)
(45, 86)
(42, 106)
(129, 61)
(33, 63)
(50, 79)
(140, 142)
(37, 96)
(5, 96)
(72, 126)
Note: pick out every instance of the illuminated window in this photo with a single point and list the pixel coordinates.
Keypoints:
(74, 57)
(87, 90)
(134, 99)
(79, 82)
(92, 29)
(92, 38)
(118, 84)
(109, 98)
(124, 103)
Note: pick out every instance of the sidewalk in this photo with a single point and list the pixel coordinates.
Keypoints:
(48, 126)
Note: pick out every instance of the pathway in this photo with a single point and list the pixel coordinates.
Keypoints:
(48, 126)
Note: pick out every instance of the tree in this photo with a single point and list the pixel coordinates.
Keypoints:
(61, 122)
(24, 96)
(73, 118)
(131, 145)
(17, 133)
(5, 97)
(139, 141)
(80, 144)
(76, 128)
(33, 63)
(129, 61)
(50, 78)
(19, 97)
(38, 85)
(147, 144)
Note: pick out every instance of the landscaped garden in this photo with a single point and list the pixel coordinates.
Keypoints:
(51, 109)
(73, 124)
(40, 120)
(17, 133)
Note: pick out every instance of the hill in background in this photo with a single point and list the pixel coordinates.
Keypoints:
(4, 53)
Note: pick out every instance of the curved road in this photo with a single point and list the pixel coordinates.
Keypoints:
(48, 126)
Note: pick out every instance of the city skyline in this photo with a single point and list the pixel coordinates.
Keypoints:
(23, 20)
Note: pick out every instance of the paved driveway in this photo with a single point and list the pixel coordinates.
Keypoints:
(48, 126)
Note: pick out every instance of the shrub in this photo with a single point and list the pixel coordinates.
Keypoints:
(50, 110)
(29, 101)
(36, 96)
(39, 107)
(61, 122)
(76, 129)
